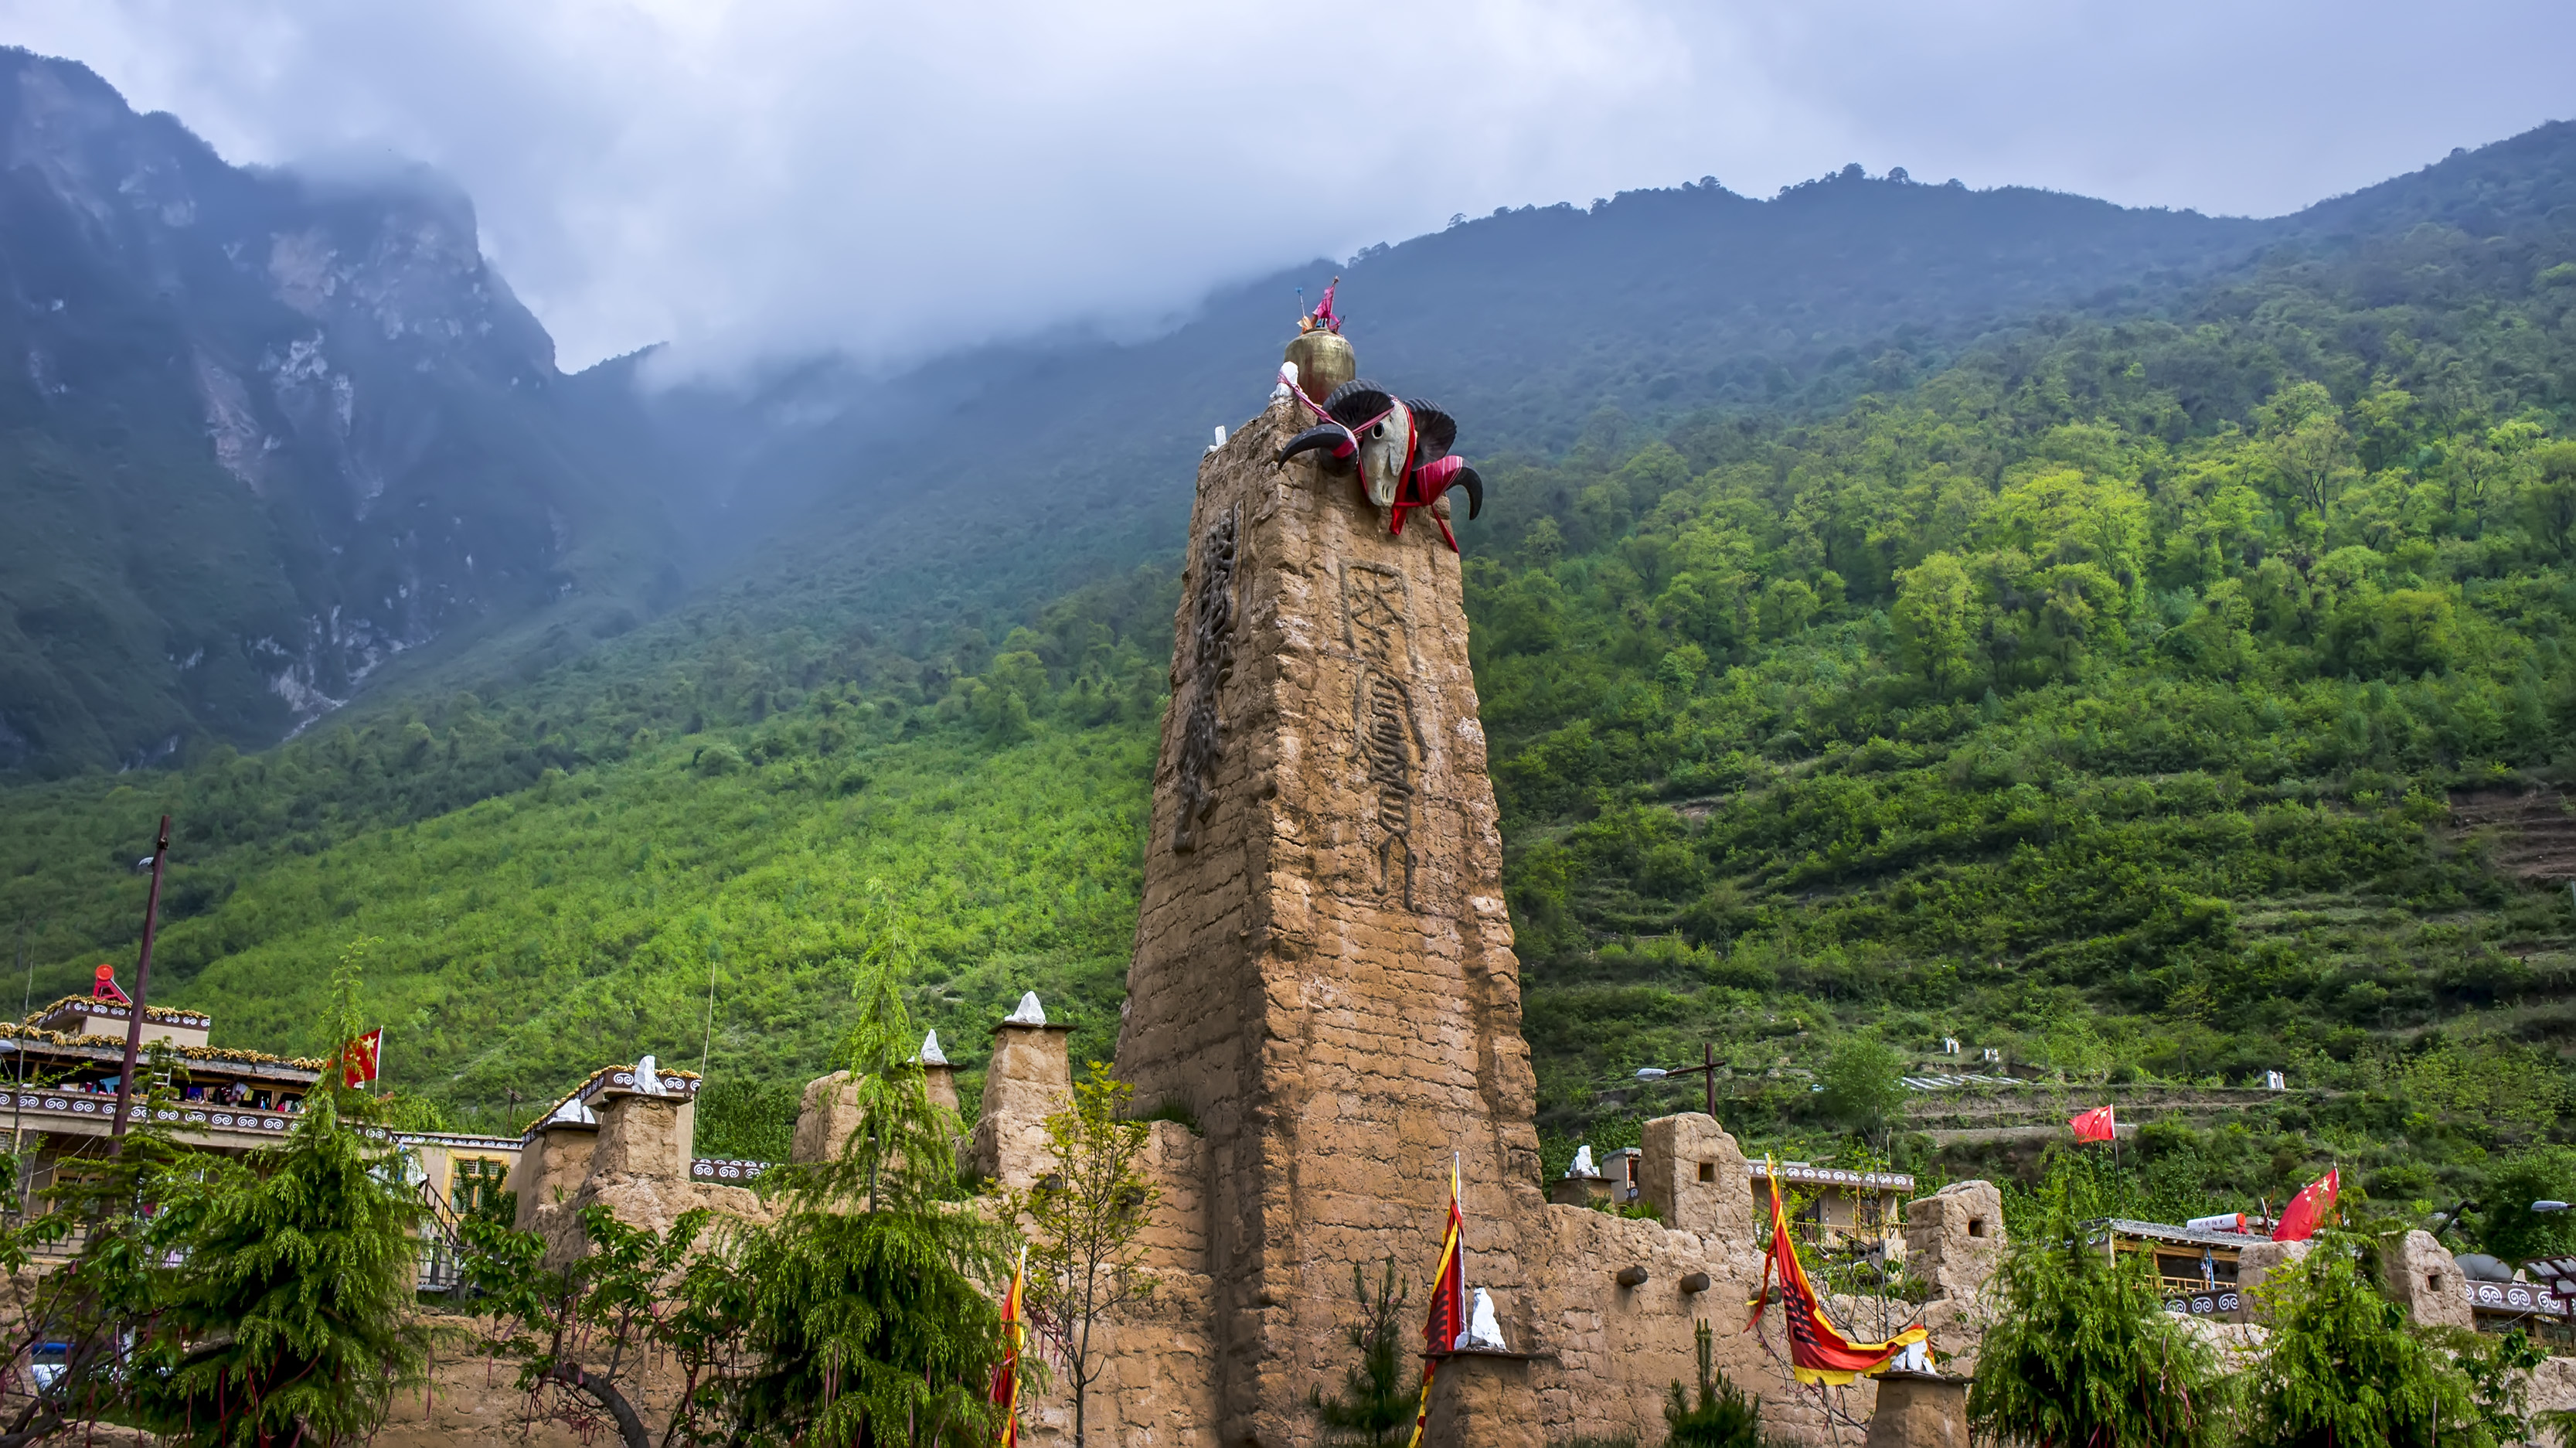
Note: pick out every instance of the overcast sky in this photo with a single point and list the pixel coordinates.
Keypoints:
(749, 177)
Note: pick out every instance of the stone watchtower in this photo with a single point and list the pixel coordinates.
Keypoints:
(1324, 973)
(1324, 982)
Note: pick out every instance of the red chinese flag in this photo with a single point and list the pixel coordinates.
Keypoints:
(2307, 1210)
(359, 1057)
(2095, 1125)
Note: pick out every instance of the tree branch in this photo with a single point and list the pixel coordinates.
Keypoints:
(630, 1424)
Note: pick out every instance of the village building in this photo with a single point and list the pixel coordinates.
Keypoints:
(61, 1067)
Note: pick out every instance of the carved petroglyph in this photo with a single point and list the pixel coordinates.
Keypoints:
(1375, 623)
(1211, 664)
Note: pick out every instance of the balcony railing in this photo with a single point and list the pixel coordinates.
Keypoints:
(75, 1105)
(725, 1169)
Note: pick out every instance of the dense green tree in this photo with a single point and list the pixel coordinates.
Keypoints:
(2081, 1353)
(1862, 1086)
(1935, 617)
(2507, 1226)
(290, 1316)
(871, 1312)
(2344, 1366)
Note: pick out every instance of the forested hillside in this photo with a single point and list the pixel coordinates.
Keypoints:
(2156, 698)
(2101, 701)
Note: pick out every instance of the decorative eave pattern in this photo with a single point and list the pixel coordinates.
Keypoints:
(107, 1047)
(726, 1169)
(84, 1006)
(1826, 1176)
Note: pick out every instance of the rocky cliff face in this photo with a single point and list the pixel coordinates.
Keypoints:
(259, 433)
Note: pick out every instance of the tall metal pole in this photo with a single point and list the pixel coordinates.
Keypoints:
(1708, 1063)
(142, 986)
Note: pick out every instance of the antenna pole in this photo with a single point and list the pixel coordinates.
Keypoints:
(142, 987)
(708, 1043)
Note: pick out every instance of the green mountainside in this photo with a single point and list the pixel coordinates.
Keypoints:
(2157, 696)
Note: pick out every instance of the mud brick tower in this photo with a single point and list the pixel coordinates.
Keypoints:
(1324, 970)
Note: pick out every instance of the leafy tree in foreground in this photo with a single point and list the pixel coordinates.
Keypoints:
(96, 1304)
(1376, 1397)
(871, 1315)
(635, 1291)
(1085, 1263)
(863, 1314)
(291, 1320)
(2344, 1367)
(2081, 1353)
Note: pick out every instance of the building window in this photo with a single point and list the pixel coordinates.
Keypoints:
(477, 1187)
(1708, 1171)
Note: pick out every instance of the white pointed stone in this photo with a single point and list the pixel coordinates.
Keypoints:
(930, 1053)
(1030, 1012)
(648, 1077)
(1583, 1166)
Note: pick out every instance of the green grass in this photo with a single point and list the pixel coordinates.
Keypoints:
(517, 943)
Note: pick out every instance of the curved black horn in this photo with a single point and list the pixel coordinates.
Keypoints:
(1325, 434)
(1475, 487)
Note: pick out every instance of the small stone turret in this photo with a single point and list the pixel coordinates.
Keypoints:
(1692, 1173)
(623, 1139)
(2421, 1277)
(1954, 1239)
(1030, 1079)
(938, 1075)
(829, 1111)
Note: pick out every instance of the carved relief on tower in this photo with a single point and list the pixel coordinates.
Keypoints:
(1386, 725)
(1211, 645)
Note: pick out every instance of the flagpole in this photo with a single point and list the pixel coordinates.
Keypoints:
(142, 993)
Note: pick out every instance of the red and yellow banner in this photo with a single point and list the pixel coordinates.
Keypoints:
(1015, 1335)
(1448, 1304)
(1818, 1350)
